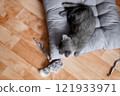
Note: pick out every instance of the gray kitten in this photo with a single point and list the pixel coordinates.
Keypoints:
(82, 23)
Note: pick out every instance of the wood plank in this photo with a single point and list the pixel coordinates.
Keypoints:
(8, 74)
(4, 34)
(27, 52)
(7, 38)
(118, 2)
(110, 57)
(80, 69)
(38, 26)
(10, 8)
(97, 65)
(34, 74)
(15, 26)
(3, 13)
(98, 53)
(13, 61)
(63, 75)
(117, 50)
(36, 7)
(30, 20)
(72, 69)
(2, 67)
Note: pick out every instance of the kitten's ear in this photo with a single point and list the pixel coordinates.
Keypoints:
(64, 37)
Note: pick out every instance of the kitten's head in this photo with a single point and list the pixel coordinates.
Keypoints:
(65, 46)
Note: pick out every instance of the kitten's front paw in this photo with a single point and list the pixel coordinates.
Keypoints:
(76, 54)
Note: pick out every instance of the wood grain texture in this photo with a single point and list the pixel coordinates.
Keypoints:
(20, 57)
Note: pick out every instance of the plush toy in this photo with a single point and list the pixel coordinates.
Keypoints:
(55, 66)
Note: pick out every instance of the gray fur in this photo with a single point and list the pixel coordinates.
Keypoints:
(82, 23)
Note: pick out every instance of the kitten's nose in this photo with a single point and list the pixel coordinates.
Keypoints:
(60, 51)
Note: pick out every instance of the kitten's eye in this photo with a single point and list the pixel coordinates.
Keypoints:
(67, 52)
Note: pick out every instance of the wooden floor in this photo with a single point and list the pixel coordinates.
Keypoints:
(20, 58)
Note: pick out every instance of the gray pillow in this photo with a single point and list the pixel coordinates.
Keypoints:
(107, 31)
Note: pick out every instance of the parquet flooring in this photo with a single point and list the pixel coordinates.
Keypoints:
(21, 59)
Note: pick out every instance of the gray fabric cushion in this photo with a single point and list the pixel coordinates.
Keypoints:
(107, 32)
